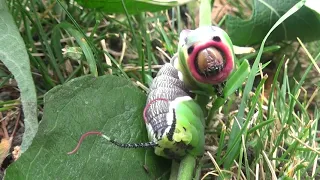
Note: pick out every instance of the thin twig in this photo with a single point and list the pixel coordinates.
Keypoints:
(138, 68)
(304, 144)
(273, 173)
(124, 46)
(107, 59)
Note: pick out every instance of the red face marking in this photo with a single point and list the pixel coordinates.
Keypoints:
(225, 71)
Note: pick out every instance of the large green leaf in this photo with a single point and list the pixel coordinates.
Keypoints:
(303, 24)
(313, 4)
(14, 56)
(133, 6)
(108, 104)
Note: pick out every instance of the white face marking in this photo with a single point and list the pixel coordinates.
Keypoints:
(173, 105)
(169, 118)
(174, 59)
(151, 133)
(202, 34)
(180, 75)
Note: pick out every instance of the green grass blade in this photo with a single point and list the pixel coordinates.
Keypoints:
(249, 85)
(137, 42)
(45, 41)
(56, 45)
(82, 43)
(117, 64)
(243, 128)
(77, 26)
(221, 142)
(234, 82)
(237, 78)
(167, 41)
(270, 105)
(265, 50)
(260, 125)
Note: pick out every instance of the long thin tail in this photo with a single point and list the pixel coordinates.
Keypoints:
(123, 145)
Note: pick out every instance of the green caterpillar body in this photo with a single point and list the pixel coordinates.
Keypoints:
(174, 121)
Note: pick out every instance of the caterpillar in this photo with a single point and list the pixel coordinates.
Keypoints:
(174, 121)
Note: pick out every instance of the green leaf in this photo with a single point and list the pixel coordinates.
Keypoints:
(233, 83)
(133, 6)
(303, 24)
(237, 78)
(313, 4)
(108, 104)
(14, 56)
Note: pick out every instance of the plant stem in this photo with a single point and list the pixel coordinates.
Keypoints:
(187, 168)
(203, 100)
(174, 170)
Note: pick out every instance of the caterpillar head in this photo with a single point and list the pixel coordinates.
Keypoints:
(205, 56)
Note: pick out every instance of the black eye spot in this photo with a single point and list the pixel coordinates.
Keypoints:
(216, 38)
(190, 49)
(184, 129)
